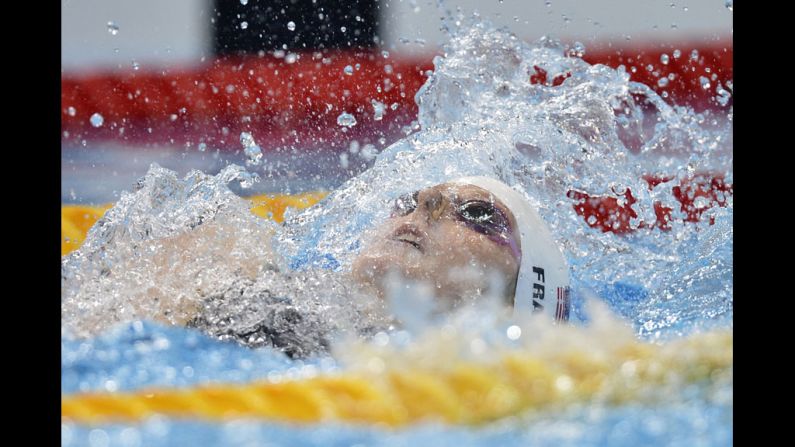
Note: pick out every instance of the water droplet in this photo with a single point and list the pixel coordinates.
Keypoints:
(674, 26)
(96, 120)
(381, 339)
(548, 3)
(244, 2)
(243, 25)
(385, 54)
(111, 385)
(664, 59)
(694, 55)
(135, 65)
(246, 139)
(202, 147)
(730, 5)
(113, 29)
(704, 82)
(677, 54)
(564, 383)
(290, 58)
(394, 106)
(254, 154)
(378, 109)
(346, 119)
(701, 203)
(348, 70)
(98, 438)
(344, 160)
(291, 25)
(343, 29)
(514, 332)
(577, 50)
(723, 95)
(247, 179)
(388, 69)
(71, 111)
(368, 152)
(130, 437)
(252, 151)
(663, 82)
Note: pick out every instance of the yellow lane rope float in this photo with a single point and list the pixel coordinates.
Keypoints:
(462, 392)
(76, 220)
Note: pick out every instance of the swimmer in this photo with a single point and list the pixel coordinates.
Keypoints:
(456, 236)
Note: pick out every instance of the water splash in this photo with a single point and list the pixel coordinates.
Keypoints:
(159, 247)
(189, 252)
(549, 124)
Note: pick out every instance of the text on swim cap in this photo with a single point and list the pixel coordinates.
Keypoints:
(538, 289)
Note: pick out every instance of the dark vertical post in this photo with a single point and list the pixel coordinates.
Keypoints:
(319, 24)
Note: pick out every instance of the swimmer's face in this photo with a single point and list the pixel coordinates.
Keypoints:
(453, 237)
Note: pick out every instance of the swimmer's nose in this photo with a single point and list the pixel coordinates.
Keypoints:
(433, 204)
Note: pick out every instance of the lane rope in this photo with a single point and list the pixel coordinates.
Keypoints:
(462, 392)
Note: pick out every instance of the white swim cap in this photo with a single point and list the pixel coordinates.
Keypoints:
(543, 281)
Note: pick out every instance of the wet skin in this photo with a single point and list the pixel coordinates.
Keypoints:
(453, 237)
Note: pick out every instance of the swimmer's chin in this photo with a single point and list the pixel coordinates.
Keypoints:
(371, 271)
